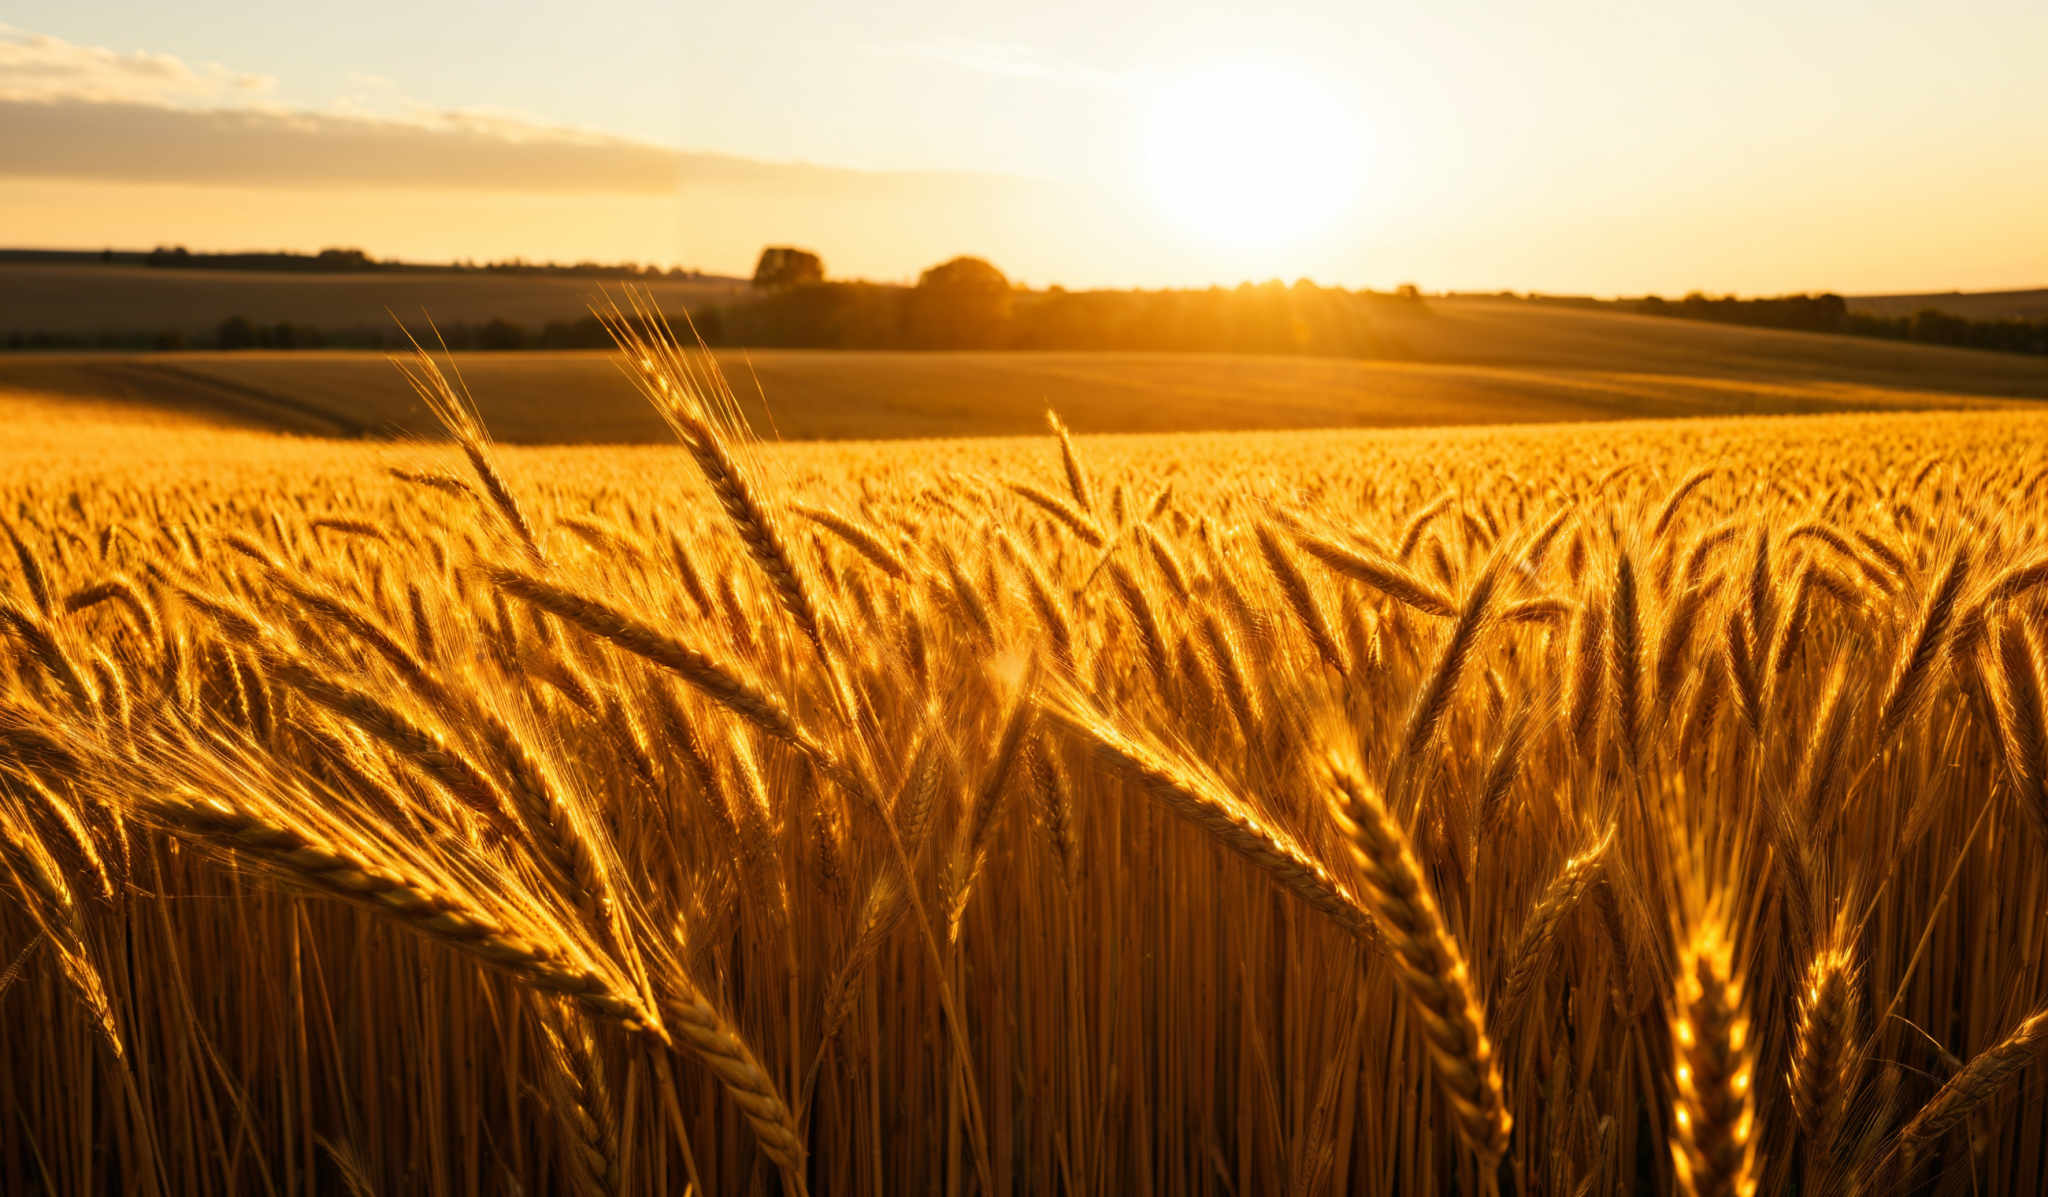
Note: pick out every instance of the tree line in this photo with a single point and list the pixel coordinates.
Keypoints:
(1830, 313)
(963, 303)
(356, 261)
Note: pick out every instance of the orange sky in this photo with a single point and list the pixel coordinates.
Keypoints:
(1568, 146)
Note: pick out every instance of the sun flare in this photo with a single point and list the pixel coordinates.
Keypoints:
(1250, 156)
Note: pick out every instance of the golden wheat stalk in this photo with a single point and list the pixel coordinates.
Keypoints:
(1984, 1078)
(1428, 963)
(1300, 599)
(1530, 957)
(1190, 794)
(1389, 579)
(1824, 1054)
(1713, 1132)
(1912, 670)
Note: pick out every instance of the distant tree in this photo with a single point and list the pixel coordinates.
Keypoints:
(343, 259)
(238, 332)
(784, 266)
(501, 334)
(963, 303)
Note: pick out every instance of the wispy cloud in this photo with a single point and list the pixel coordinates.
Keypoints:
(87, 112)
(35, 66)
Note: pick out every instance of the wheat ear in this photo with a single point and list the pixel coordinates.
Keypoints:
(1912, 672)
(1713, 1145)
(1824, 1055)
(1982, 1079)
(1532, 951)
(1077, 481)
(1300, 599)
(1427, 963)
(1189, 794)
(1389, 579)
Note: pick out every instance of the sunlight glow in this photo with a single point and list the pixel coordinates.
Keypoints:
(1250, 156)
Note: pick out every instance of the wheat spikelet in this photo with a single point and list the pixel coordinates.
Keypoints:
(576, 1082)
(121, 589)
(1561, 897)
(456, 411)
(1872, 569)
(1075, 521)
(1411, 532)
(1739, 660)
(1192, 796)
(721, 682)
(1077, 481)
(1383, 576)
(365, 627)
(1543, 609)
(1433, 699)
(1429, 965)
(2026, 740)
(686, 408)
(1676, 637)
(1503, 767)
(347, 526)
(433, 480)
(1587, 671)
(1546, 536)
(41, 893)
(1702, 549)
(1132, 597)
(47, 652)
(1760, 614)
(425, 747)
(1912, 671)
(753, 816)
(1824, 1054)
(858, 537)
(987, 805)
(1052, 795)
(1713, 1135)
(32, 574)
(1885, 555)
(412, 900)
(1170, 567)
(1301, 600)
(1624, 640)
(80, 854)
(1238, 690)
(1669, 510)
(1984, 1078)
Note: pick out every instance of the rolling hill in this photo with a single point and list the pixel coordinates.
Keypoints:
(1973, 305)
(1464, 362)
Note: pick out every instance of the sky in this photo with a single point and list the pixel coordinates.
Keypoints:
(1564, 146)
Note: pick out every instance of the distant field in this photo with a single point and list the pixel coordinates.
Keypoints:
(1465, 363)
(1976, 305)
(93, 299)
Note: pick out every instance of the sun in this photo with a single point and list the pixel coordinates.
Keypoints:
(1250, 156)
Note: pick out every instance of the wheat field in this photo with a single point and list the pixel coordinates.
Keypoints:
(1585, 809)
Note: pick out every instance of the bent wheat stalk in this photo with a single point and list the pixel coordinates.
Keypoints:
(1428, 963)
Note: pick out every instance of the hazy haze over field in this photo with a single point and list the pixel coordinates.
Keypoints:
(1748, 147)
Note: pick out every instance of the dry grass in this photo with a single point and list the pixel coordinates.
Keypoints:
(1470, 811)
